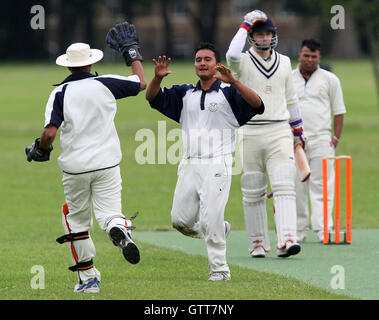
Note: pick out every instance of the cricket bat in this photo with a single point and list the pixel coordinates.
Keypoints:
(302, 163)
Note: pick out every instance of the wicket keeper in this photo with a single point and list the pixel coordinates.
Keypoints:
(83, 106)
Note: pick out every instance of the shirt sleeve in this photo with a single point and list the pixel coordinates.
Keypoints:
(336, 97)
(291, 95)
(233, 55)
(170, 101)
(121, 87)
(54, 107)
(241, 109)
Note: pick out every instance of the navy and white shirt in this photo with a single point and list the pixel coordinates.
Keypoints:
(208, 118)
(84, 107)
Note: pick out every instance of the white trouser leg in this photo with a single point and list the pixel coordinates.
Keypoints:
(186, 202)
(214, 194)
(103, 189)
(273, 149)
(199, 202)
(317, 150)
(106, 199)
(254, 186)
(79, 219)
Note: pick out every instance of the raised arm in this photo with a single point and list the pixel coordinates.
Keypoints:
(137, 69)
(248, 94)
(233, 55)
(123, 38)
(160, 71)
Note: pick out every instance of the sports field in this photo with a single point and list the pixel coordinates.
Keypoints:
(172, 266)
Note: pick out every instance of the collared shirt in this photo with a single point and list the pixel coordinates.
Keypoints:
(83, 106)
(320, 96)
(208, 118)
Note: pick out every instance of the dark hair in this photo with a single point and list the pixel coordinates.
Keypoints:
(78, 69)
(311, 44)
(209, 46)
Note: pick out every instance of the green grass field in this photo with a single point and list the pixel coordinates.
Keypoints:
(32, 196)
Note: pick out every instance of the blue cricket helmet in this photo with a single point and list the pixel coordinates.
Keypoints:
(264, 26)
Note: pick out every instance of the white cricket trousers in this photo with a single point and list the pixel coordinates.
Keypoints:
(315, 151)
(101, 190)
(270, 149)
(200, 197)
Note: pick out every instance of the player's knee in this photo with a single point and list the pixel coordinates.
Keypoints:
(182, 226)
(253, 187)
(282, 180)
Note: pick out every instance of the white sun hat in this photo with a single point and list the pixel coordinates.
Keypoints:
(79, 55)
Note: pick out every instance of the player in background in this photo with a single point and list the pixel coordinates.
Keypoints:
(209, 113)
(320, 96)
(83, 106)
(267, 141)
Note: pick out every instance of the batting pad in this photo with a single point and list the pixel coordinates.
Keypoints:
(283, 187)
(254, 186)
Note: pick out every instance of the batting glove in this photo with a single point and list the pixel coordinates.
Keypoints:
(123, 38)
(298, 133)
(252, 18)
(34, 152)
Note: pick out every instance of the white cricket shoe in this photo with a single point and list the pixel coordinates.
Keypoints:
(320, 236)
(290, 249)
(91, 286)
(125, 244)
(227, 228)
(301, 236)
(219, 275)
(258, 252)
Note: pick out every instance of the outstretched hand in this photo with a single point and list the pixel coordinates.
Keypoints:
(161, 66)
(225, 74)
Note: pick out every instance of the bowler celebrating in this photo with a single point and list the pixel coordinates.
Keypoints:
(207, 111)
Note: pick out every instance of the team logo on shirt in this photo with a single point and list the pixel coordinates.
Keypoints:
(213, 107)
(268, 89)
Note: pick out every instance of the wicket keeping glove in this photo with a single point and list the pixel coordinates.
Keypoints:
(123, 38)
(252, 18)
(34, 152)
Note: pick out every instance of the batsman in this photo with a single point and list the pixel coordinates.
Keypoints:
(267, 142)
(83, 106)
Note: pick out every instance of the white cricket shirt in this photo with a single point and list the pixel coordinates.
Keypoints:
(208, 118)
(320, 96)
(83, 106)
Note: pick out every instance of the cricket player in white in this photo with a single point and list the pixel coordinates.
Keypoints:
(320, 95)
(267, 141)
(209, 114)
(83, 106)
